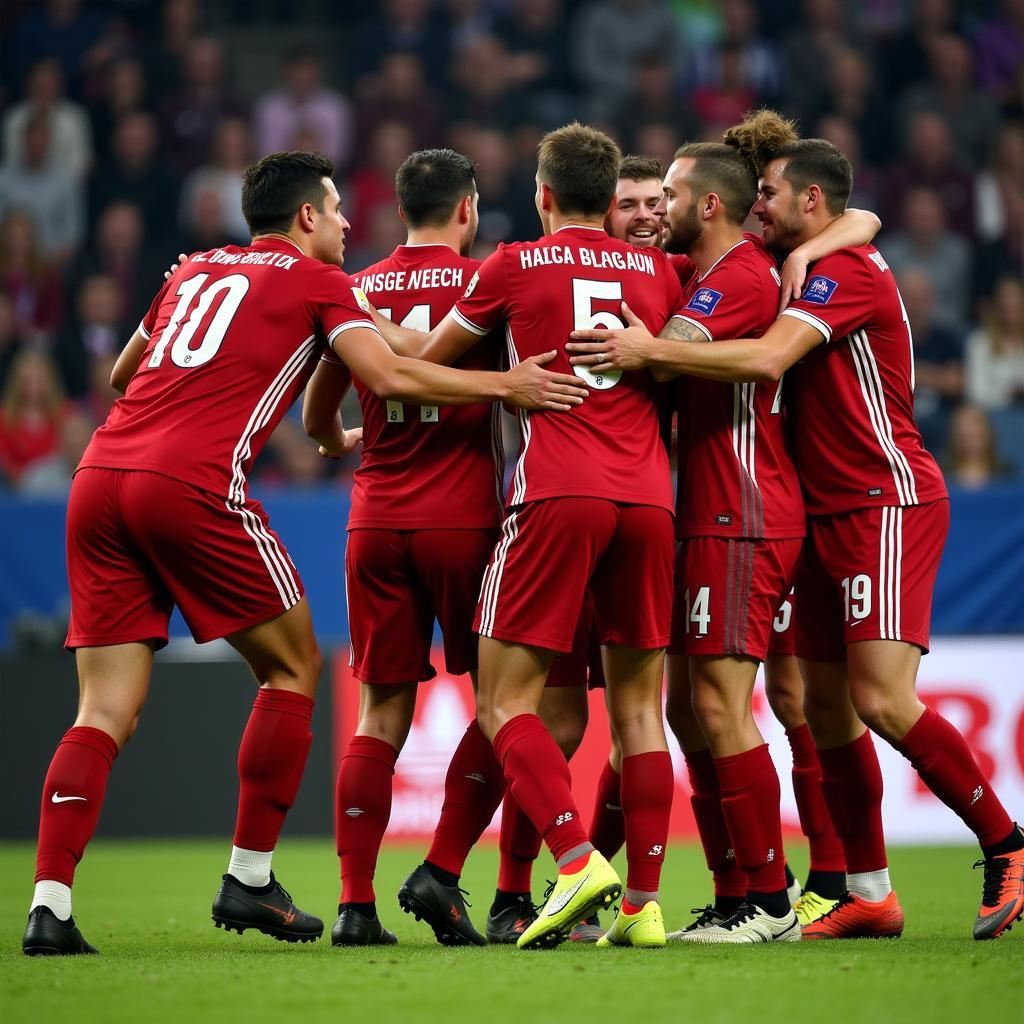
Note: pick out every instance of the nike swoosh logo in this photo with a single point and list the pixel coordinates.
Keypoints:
(561, 901)
(58, 799)
(287, 916)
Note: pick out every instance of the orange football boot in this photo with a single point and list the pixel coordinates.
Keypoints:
(856, 918)
(1002, 900)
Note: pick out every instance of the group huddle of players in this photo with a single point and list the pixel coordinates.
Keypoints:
(808, 520)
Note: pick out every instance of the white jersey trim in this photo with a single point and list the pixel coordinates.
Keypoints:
(468, 324)
(519, 476)
(890, 573)
(143, 331)
(742, 241)
(491, 584)
(810, 318)
(874, 401)
(341, 328)
(700, 327)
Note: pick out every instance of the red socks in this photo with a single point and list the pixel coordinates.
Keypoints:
(539, 781)
(72, 798)
(852, 784)
(271, 760)
(519, 843)
(647, 788)
(361, 813)
(946, 765)
(815, 821)
(706, 801)
(607, 826)
(750, 806)
(473, 789)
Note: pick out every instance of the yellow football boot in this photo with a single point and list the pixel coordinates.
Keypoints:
(643, 930)
(811, 906)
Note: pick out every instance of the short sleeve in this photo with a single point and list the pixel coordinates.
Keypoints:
(839, 295)
(148, 323)
(722, 308)
(338, 304)
(482, 304)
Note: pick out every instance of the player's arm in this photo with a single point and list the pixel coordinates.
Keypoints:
(786, 342)
(128, 362)
(321, 410)
(853, 228)
(389, 376)
(448, 342)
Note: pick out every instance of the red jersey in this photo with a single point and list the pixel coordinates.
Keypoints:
(855, 438)
(425, 467)
(736, 477)
(577, 278)
(233, 337)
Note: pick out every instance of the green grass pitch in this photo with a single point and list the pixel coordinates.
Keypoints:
(146, 905)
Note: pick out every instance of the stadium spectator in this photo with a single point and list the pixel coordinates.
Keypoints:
(399, 91)
(137, 173)
(727, 98)
(867, 181)
(994, 366)
(938, 358)
(180, 24)
(94, 332)
(373, 184)
(50, 477)
(70, 134)
(1003, 175)
(972, 456)
(191, 114)
(123, 91)
(11, 340)
(31, 409)
(410, 26)
(904, 58)
(508, 213)
(1000, 45)
(610, 35)
(385, 231)
(742, 62)
(950, 92)
(653, 97)
(232, 153)
(930, 161)
(824, 29)
(303, 101)
(1004, 255)
(660, 141)
(67, 30)
(925, 242)
(30, 282)
(487, 85)
(45, 190)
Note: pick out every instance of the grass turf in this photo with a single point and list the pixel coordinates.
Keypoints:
(146, 905)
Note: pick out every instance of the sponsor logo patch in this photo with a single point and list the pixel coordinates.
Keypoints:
(723, 520)
(704, 301)
(471, 287)
(361, 300)
(820, 289)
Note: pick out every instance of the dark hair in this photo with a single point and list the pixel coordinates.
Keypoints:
(581, 167)
(639, 168)
(723, 170)
(817, 162)
(274, 188)
(431, 183)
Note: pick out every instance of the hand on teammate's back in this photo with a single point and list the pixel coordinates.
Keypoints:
(174, 266)
(532, 387)
(345, 445)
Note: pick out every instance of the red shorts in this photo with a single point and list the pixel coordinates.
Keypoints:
(869, 575)
(728, 592)
(551, 551)
(582, 665)
(398, 582)
(140, 543)
(782, 641)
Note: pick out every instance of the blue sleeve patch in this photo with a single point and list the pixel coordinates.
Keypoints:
(819, 289)
(704, 301)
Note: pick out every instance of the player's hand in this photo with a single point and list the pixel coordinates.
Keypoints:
(174, 266)
(345, 445)
(794, 275)
(623, 348)
(532, 387)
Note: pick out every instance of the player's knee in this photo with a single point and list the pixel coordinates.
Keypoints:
(787, 707)
(679, 713)
(567, 731)
(880, 712)
(712, 710)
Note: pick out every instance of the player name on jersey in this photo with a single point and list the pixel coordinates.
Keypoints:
(412, 280)
(549, 255)
(262, 259)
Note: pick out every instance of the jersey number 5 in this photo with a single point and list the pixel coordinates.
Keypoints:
(179, 336)
(585, 319)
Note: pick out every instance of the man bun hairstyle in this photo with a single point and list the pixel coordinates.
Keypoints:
(431, 183)
(639, 168)
(819, 162)
(759, 137)
(276, 187)
(580, 165)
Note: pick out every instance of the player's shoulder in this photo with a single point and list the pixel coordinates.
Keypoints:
(854, 268)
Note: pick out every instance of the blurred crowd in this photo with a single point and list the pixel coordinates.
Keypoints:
(125, 134)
